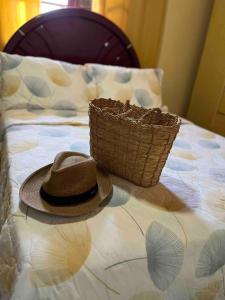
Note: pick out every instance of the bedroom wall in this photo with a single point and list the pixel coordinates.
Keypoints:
(185, 28)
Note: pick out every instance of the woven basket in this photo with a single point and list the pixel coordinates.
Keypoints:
(129, 141)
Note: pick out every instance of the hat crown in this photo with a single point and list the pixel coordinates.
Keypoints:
(71, 174)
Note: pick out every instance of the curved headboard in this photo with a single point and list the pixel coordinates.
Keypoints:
(76, 36)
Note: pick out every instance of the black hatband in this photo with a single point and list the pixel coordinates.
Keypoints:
(69, 200)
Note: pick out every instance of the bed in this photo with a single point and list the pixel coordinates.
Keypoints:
(164, 242)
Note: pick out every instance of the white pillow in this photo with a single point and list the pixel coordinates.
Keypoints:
(36, 83)
(141, 86)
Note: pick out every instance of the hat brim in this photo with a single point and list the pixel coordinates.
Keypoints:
(30, 195)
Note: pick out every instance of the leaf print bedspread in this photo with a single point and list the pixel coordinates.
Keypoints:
(165, 242)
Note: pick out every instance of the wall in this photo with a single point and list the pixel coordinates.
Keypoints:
(185, 27)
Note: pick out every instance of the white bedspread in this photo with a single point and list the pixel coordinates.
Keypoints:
(164, 242)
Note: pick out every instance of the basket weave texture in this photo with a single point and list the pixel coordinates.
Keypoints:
(129, 141)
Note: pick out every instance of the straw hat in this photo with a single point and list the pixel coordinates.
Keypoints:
(71, 186)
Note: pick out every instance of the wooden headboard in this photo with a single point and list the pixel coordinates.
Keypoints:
(76, 36)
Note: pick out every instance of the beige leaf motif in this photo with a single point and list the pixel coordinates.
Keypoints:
(11, 85)
(124, 94)
(155, 86)
(59, 76)
(207, 135)
(22, 147)
(185, 154)
(147, 296)
(59, 253)
(209, 292)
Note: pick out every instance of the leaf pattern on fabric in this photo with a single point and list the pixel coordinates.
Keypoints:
(179, 165)
(11, 84)
(119, 197)
(165, 252)
(218, 174)
(69, 68)
(61, 255)
(87, 76)
(180, 290)
(208, 144)
(37, 86)
(53, 132)
(207, 135)
(212, 256)
(123, 76)
(24, 146)
(64, 105)
(158, 74)
(10, 62)
(209, 292)
(123, 94)
(188, 155)
(98, 72)
(147, 296)
(143, 97)
(59, 76)
(154, 85)
(181, 144)
(34, 107)
(81, 146)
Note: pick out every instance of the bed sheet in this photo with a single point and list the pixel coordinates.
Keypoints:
(164, 242)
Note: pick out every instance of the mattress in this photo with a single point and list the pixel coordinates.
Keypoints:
(164, 242)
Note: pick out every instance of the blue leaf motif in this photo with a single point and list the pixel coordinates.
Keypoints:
(87, 76)
(165, 253)
(34, 106)
(69, 68)
(179, 165)
(212, 256)
(37, 86)
(181, 144)
(143, 97)
(65, 105)
(119, 197)
(218, 174)
(98, 72)
(159, 74)
(53, 132)
(81, 146)
(10, 62)
(208, 144)
(123, 76)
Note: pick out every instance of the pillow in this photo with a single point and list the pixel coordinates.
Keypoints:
(141, 86)
(37, 83)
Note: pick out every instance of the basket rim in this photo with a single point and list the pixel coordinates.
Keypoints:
(110, 116)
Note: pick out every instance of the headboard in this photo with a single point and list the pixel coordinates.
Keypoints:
(74, 35)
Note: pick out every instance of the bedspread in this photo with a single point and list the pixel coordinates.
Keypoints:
(164, 242)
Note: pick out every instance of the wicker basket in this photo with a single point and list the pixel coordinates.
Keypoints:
(129, 141)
